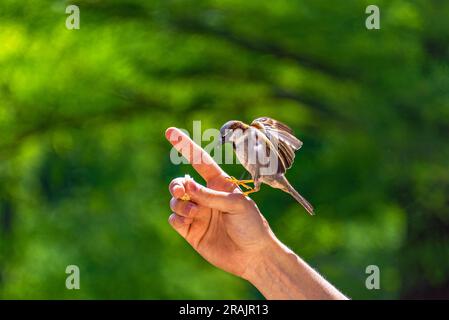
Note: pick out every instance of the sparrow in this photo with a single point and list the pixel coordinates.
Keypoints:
(266, 149)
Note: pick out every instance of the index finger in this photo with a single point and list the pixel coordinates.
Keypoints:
(200, 160)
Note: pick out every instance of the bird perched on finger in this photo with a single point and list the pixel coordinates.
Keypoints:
(266, 149)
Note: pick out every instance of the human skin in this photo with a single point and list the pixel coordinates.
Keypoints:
(227, 229)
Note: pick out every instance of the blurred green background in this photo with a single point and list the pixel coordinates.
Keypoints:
(84, 165)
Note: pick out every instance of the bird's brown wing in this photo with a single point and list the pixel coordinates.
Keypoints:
(272, 123)
(285, 134)
(282, 138)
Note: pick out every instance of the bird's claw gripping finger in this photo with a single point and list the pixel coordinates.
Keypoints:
(242, 183)
(249, 191)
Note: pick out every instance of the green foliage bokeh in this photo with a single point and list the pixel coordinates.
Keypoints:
(84, 166)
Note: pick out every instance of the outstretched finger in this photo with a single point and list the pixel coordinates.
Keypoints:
(201, 161)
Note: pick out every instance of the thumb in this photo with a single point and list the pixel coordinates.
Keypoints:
(223, 201)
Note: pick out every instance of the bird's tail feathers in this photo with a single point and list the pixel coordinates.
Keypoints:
(299, 198)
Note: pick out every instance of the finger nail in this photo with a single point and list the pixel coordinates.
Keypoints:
(190, 184)
(177, 188)
(171, 134)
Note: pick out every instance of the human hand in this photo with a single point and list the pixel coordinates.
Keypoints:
(220, 222)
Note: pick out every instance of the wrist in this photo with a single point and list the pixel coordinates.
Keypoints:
(278, 273)
(268, 268)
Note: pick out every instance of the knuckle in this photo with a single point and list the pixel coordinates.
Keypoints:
(189, 210)
(195, 210)
(237, 202)
(202, 191)
(173, 204)
(265, 223)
